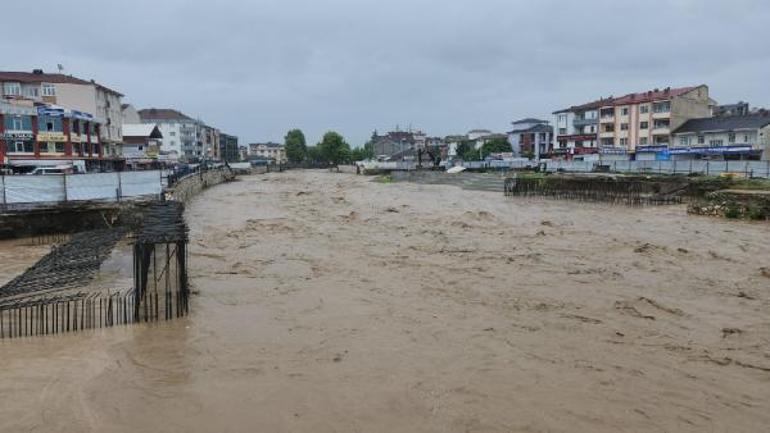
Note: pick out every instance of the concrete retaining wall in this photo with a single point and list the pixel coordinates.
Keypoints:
(191, 185)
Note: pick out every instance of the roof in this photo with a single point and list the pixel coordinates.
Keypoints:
(35, 77)
(270, 144)
(479, 131)
(144, 130)
(535, 129)
(529, 120)
(631, 98)
(652, 95)
(731, 123)
(593, 105)
(162, 114)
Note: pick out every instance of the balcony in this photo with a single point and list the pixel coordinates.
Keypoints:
(607, 134)
(581, 122)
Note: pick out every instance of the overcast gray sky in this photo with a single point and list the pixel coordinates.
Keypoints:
(257, 68)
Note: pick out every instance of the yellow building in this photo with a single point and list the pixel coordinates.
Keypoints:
(648, 118)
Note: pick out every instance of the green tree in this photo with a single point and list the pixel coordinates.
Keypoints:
(334, 149)
(495, 145)
(466, 150)
(313, 154)
(296, 149)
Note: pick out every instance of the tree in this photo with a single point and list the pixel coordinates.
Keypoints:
(296, 149)
(495, 145)
(313, 154)
(334, 149)
(466, 150)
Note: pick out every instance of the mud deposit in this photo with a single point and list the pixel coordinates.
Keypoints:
(330, 303)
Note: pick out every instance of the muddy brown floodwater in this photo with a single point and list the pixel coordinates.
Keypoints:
(331, 303)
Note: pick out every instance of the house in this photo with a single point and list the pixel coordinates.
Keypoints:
(269, 150)
(75, 94)
(141, 144)
(733, 137)
(531, 137)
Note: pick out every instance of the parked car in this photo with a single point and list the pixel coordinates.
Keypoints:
(49, 171)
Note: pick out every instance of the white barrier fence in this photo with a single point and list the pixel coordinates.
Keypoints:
(34, 190)
(759, 169)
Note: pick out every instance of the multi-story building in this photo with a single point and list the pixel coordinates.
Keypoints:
(182, 134)
(576, 130)
(645, 119)
(228, 148)
(273, 151)
(531, 137)
(75, 94)
(738, 109)
(733, 137)
(38, 134)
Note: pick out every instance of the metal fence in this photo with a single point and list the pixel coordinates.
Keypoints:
(21, 191)
(759, 169)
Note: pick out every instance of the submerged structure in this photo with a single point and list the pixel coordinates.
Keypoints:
(56, 295)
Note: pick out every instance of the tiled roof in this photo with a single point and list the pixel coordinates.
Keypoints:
(33, 77)
(731, 123)
(162, 114)
(652, 95)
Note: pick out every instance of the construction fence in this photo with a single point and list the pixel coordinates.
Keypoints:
(20, 191)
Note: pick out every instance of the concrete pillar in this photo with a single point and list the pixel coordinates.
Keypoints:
(67, 130)
(35, 131)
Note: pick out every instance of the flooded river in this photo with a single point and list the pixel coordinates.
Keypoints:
(330, 303)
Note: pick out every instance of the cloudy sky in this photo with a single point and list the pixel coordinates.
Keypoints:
(256, 68)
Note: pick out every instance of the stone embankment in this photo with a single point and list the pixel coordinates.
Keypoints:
(743, 204)
(188, 187)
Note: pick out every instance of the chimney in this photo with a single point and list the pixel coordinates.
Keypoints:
(37, 71)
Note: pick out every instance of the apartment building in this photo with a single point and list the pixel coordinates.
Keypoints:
(638, 120)
(532, 137)
(182, 135)
(576, 130)
(35, 134)
(72, 93)
(272, 151)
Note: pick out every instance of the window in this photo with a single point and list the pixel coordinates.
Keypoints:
(716, 143)
(624, 111)
(49, 126)
(49, 90)
(17, 124)
(77, 149)
(22, 147)
(746, 138)
(661, 107)
(731, 137)
(59, 147)
(624, 126)
(644, 109)
(701, 139)
(12, 89)
(624, 142)
(562, 131)
(644, 125)
(609, 127)
(172, 133)
(30, 92)
(684, 141)
(643, 141)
